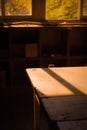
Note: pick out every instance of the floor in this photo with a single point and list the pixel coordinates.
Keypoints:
(16, 109)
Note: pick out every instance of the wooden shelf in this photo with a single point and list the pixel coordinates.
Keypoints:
(27, 46)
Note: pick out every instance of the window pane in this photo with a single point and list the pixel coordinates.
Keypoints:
(61, 9)
(0, 7)
(18, 7)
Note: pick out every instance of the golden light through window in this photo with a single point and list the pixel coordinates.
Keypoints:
(18, 7)
(61, 9)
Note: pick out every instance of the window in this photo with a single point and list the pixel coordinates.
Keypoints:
(61, 9)
(24, 10)
(15, 7)
(83, 9)
(18, 7)
(39, 9)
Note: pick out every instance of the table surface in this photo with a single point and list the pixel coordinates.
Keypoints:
(57, 81)
(62, 91)
(73, 125)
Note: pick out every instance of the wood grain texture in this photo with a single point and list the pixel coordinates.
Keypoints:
(66, 108)
(73, 125)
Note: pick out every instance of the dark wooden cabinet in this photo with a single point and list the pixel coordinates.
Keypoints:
(32, 47)
(53, 47)
(77, 41)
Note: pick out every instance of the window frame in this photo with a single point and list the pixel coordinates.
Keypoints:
(81, 12)
(38, 12)
(78, 16)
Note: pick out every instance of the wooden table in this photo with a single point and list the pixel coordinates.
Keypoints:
(62, 93)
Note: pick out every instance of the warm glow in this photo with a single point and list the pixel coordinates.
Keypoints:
(18, 7)
(61, 9)
(59, 81)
